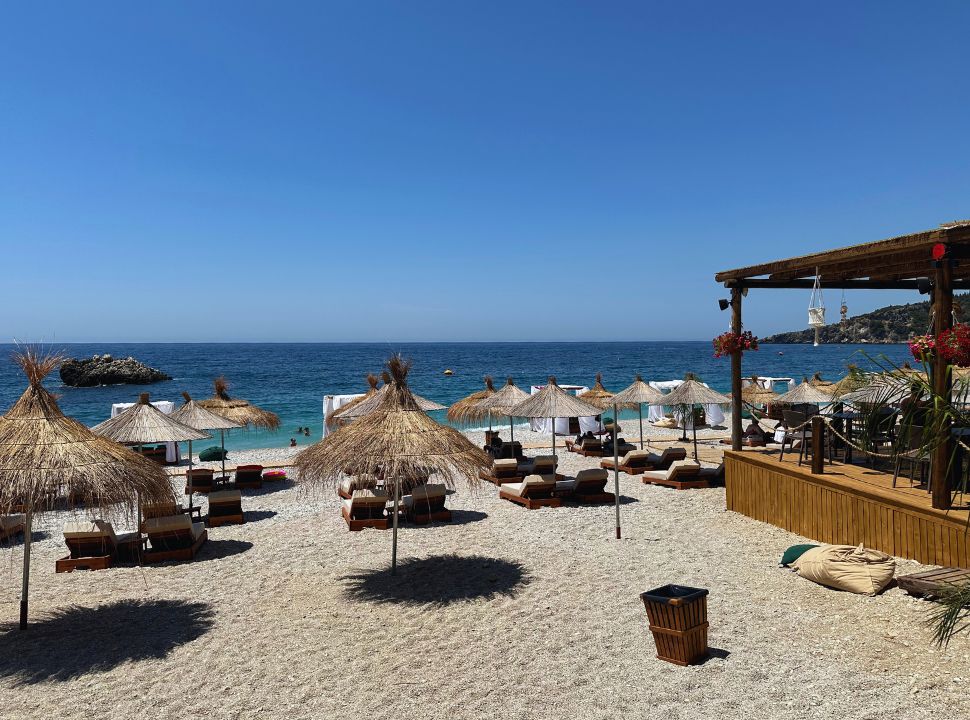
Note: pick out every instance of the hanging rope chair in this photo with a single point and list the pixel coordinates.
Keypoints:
(844, 310)
(816, 307)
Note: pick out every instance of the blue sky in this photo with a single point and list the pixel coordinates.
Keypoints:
(455, 170)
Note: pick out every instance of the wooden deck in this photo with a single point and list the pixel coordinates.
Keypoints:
(847, 505)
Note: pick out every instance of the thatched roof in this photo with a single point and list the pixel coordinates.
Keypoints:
(397, 441)
(467, 410)
(144, 423)
(238, 410)
(755, 394)
(692, 392)
(502, 402)
(372, 402)
(554, 402)
(805, 393)
(597, 395)
(818, 381)
(196, 416)
(42, 451)
(337, 414)
(637, 394)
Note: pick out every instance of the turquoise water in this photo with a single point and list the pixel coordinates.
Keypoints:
(291, 379)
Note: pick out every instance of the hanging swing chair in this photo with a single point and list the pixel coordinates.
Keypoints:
(816, 307)
(844, 310)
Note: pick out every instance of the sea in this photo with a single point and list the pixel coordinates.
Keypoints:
(292, 379)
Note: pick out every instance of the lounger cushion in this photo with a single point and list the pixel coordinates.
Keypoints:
(225, 497)
(197, 530)
(506, 464)
(512, 488)
(592, 474)
(87, 529)
(844, 567)
(428, 492)
(169, 523)
(249, 468)
(150, 510)
(368, 498)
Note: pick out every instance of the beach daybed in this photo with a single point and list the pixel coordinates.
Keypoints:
(587, 447)
(156, 510)
(365, 510)
(681, 475)
(589, 486)
(249, 477)
(535, 491)
(633, 463)
(11, 525)
(348, 485)
(202, 480)
(174, 537)
(94, 545)
(667, 458)
(714, 475)
(426, 504)
(225, 508)
(540, 465)
(502, 471)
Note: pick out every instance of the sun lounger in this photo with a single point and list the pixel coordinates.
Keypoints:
(225, 508)
(249, 477)
(540, 465)
(11, 526)
(681, 475)
(95, 546)
(348, 485)
(587, 447)
(589, 486)
(714, 475)
(502, 471)
(366, 509)
(155, 510)
(535, 491)
(665, 459)
(174, 537)
(633, 463)
(426, 504)
(202, 480)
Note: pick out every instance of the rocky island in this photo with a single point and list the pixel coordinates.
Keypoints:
(106, 370)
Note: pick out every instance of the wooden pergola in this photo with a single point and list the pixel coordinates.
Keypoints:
(934, 261)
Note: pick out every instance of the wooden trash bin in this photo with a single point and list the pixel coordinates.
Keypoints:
(678, 621)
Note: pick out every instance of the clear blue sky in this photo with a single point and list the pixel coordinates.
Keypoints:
(457, 170)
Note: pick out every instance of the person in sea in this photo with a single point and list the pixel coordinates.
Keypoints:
(306, 431)
(292, 442)
(299, 430)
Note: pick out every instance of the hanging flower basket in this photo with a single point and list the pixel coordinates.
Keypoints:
(729, 343)
(923, 348)
(954, 345)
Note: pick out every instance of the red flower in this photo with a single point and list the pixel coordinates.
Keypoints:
(730, 343)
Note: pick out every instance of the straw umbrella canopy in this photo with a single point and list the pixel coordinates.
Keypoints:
(805, 393)
(397, 441)
(502, 402)
(334, 418)
(755, 394)
(196, 416)
(821, 383)
(597, 395)
(690, 393)
(238, 410)
(554, 402)
(371, 403)
(468, 410)
(43, 452)
(636, 395)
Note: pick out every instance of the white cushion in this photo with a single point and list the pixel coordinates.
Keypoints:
(87, 529)
(507, 463)
(428, 492)
(513, 488)
(369, 498)
(592, 474)
(169, 523)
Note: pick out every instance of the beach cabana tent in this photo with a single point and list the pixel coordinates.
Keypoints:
(43, 453)
(468, 410)
(691, 393)
(715, 416)
(636, 395)
(396, 441)
(503, 401)
(167, 407)
(333, 416)
(196, 416)
(553, 402)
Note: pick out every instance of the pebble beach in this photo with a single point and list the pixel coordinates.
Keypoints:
(502, 613)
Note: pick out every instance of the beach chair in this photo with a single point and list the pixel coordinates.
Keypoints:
(587, 447)
(426, 504)
(156, 510)
(366, 509)
(714, 475)
(540, 465)
(535, 491)
(665, 459)
(225, 508)
(249, 477)
(202, 480)
(348, 485)
(12, 525)
(502, 471)
(682, 474)
(589, 486)
(93, 545)
(633, 463)
(174, 537)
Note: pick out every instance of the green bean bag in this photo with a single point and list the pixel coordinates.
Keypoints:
(212, 453)
(793, 553)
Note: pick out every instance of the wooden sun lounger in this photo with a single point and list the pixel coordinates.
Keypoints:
(11, 526)
(94, 546)
(225, 508)
(633, 463)
(533, 492)
(348, 485)
(665, 459)
(589, 486)
(249, 477)
(156, 510)
(682, 475)
(587, 447)
(174, 538)
(426, 504)
(502, 471)
(540, 465)
(366, 509)
(934, 583)
(203, 481)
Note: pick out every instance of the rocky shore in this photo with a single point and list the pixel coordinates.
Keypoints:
(107, 370)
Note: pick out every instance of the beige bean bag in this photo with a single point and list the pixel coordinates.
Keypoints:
(844, 567)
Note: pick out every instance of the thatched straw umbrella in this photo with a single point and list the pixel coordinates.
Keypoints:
(43, 451)
(144, 423)
(636, 395)
(333, 420)
(805, 393)
(821, 383)
(371, 403)
(554, 402)
(397, 441)
(690, 393)
(598, 395)
(468, 410)
(502, 402)
(196, 416)
(238, 410)
(755, 394)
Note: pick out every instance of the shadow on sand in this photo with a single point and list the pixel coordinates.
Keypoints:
(438, 580)
(218, 549)
(257, 515)
(463, 517)
(68, 643)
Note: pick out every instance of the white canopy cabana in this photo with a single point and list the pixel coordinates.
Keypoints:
(332, 403)
(771, 383)
(172, 452)
(545, 425)
(715, 416)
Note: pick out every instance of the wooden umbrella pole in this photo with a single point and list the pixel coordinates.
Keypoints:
(616, 469)
(397, 493)
(26, 579)
(693, 424)
(190, 478)
(222, 437)
(512, 435)
(640, 410)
